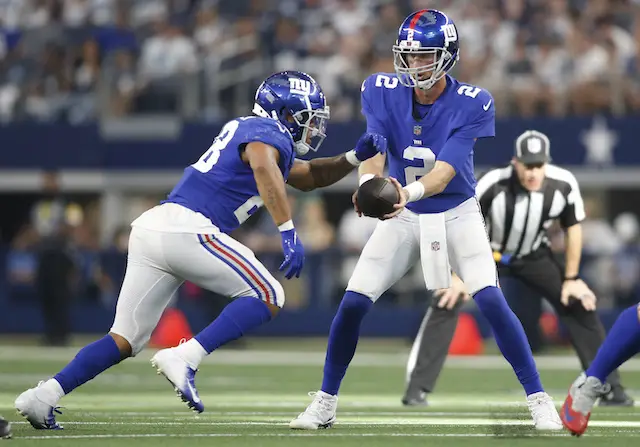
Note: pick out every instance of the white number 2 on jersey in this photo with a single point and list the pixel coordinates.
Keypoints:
(211, 156)
(412, 153)
(468, 90)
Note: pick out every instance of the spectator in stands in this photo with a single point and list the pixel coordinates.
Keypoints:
(593, 64)
(52, 218)
(314, 228)
(165, 57)
(113, 263)
(22, 264)
(522, 84)
(570, 57)
(627, 260)
(122, 83)
(119, 36)
(353, 234)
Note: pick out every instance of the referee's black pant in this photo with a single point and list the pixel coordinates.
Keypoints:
(544, 275)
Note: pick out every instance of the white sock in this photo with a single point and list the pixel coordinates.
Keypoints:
(53, 392)
(191, 352)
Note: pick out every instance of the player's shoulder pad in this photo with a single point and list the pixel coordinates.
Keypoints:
(474, 99)
(266, 130)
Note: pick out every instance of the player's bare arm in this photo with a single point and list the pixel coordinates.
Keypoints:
(573, 286)
(573, 250)
(319, 173)
(263, 160)
(372, 167)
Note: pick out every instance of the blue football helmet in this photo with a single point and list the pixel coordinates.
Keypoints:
(423, 33)
(296, 100)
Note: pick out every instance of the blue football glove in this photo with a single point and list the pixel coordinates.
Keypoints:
(370, 144)
(293, 254)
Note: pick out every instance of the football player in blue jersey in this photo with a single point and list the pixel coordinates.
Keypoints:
(430, 122)
(622, 343)
(186, 239)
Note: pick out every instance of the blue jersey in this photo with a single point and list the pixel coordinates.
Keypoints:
(220, 185)
(447, 131)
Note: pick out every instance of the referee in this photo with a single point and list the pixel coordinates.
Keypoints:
(519, 203)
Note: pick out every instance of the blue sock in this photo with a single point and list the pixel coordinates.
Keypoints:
(510, 337)
(240, 316)
(88, 363)
(343, 339)
(622, 343)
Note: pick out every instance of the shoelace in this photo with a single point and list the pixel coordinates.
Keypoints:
(51, 420)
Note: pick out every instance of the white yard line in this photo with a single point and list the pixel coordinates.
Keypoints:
(307, 358)
(322, 433)
(358, 421)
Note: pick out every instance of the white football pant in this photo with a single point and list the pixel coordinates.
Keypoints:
(395, 246)
(170, 244)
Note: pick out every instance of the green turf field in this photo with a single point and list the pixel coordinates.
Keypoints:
(251, 395)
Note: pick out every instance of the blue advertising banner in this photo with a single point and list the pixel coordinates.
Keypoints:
(594, 141)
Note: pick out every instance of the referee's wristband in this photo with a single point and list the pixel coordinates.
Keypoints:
(571, 278)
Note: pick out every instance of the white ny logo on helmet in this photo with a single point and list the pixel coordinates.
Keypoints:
(300, 86)
(450, 33)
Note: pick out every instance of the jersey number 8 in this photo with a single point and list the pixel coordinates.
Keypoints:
(413, 153)
(211, 156)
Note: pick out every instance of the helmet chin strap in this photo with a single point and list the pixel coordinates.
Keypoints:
(301, 148)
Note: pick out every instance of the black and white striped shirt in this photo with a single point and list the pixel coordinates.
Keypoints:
(517, 220)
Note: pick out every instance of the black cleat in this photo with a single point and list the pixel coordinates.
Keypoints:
(617, 397)
(5, 429)
(415, 398)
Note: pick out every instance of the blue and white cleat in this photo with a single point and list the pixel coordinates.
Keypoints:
(181, 376)
(38, 408)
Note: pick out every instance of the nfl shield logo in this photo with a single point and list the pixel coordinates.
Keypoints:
(435, 246)
(417, 130)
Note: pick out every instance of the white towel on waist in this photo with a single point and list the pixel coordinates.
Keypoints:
(433, 251)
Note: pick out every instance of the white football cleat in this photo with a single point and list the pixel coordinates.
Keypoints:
(321, 413)
(543, 411)
(180, 375)
(38, 407)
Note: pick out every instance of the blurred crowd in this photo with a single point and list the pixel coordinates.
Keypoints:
(79, 60)
(333, 236)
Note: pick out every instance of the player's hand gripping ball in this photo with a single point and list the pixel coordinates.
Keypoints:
(376, 197)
